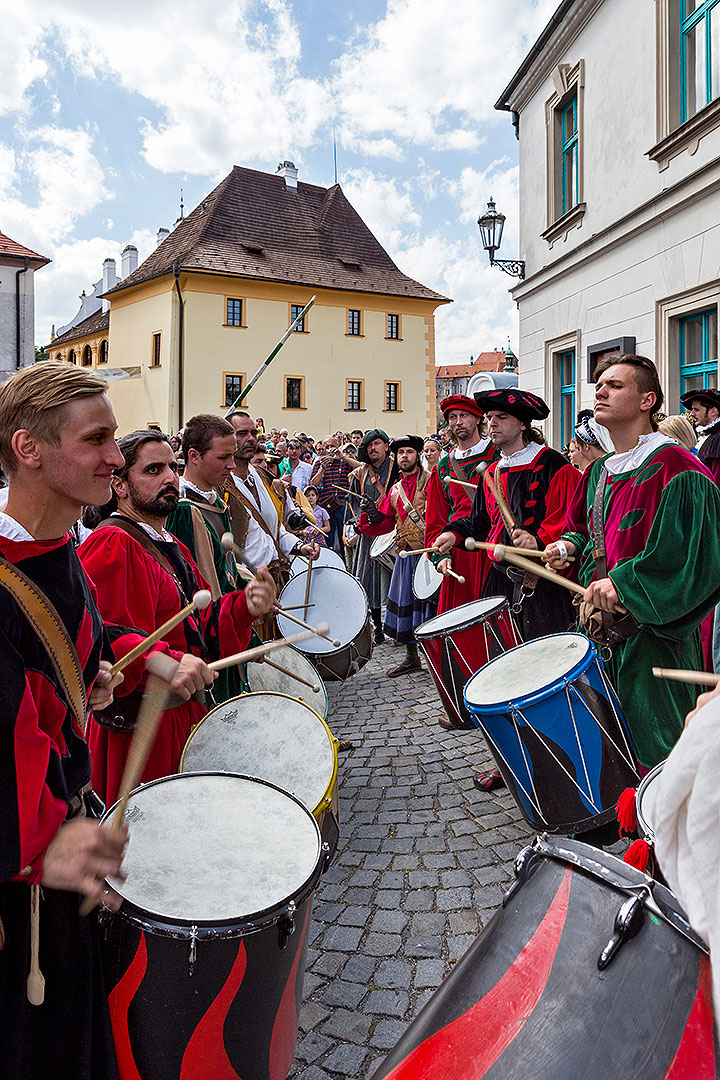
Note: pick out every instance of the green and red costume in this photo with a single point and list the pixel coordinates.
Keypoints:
(661, 524)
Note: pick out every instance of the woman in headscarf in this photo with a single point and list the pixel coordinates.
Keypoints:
(592, 441)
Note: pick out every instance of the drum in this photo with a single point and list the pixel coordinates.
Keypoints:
(426, 579)
(645, 803)
(589, 969)
(383, 549)
(340, 601)
(266, 676)
(459, 642)
(276, 738)
(327, 557)
(204, 962)
(561, 741)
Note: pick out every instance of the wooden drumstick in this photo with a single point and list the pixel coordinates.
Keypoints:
(315, 687)
(307, 597)
(199, 602)
(293, 607)
(161, 670)
(458, 577)
(473, 545)
(419, 551)
(701, 678)
(462, 483)
(260, 650)
(35, 979)
(307, 626)
(509, 555)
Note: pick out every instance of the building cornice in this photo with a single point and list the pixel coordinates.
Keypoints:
(672, 200)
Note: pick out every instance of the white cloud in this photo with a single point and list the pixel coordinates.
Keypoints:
(429, 73)
(384, 203)
(21, 61)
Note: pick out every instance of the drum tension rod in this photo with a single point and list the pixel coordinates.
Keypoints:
(629, 920)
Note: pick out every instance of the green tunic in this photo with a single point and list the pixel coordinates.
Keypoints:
(662, 524)
(231, 681)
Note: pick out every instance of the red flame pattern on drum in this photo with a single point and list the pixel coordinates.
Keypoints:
(119, 1000)
(695, 1057)
(206, 1042)
(284, 1033)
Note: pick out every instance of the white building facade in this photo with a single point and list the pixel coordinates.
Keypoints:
(17, 304)
(618, 111)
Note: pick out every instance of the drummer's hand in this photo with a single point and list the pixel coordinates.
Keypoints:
(310, 551)
(444, 565)
(101, 695)
(81, 855)
(260, 593)
(445, 542)
(701, 702)
(523, 539)
(192, 674)
(603, 595)
(554, 558)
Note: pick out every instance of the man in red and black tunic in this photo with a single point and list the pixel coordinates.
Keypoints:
(57, 446)
(537, 483)
(447, 501)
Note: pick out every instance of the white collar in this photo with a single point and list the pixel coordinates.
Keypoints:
(163, 536)
(11, 529)
(520, 457)
(185, 484)
(476, 448)
(632, 459)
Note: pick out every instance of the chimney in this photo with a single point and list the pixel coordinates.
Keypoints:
(109, 280)
(161, 235)
(287, 170)
(129, 260)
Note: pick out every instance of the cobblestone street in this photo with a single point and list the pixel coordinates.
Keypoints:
(423, 861)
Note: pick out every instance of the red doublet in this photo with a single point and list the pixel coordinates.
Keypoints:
(135, 590)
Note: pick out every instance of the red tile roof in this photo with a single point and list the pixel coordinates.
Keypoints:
(253, 226)
(11, 249)
(487, 361)
(94, 324)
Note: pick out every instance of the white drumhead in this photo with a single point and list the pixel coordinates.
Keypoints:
(274, 737)
(339, 600)
(646, 799)
(527, 669)
(215, 848)
(426, 579)
(327, 557)
(265, 678)
(460, 617)
(383, 543)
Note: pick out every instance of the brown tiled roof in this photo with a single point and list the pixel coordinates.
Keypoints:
(14, 250)
(94, 324)
(486, 361)
(252, 226)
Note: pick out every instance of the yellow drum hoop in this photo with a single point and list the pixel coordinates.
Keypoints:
(329, 797)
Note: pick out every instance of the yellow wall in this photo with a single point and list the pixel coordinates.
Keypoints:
(325, 356)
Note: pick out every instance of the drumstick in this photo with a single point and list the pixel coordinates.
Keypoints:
(161, 669)
(497, 493)
(260, 650)
(35, 979)
(419, 551)
(199, 602)
(701, 678)
(539, 571)
(307, 597)
(472, 545)
(315, 687)
(293, 607)
(307, 626)
(458, 577)
(462, 483)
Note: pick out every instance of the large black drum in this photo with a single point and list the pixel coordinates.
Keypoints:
(206, 957)
(589, 971)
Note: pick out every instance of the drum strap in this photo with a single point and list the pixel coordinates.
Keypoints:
(614, 629)
(145, 541)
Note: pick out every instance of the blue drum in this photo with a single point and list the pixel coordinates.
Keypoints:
(556, 728)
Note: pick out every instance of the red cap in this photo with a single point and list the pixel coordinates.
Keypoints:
(461, 401)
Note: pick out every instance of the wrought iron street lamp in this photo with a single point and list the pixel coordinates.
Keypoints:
(491, 227)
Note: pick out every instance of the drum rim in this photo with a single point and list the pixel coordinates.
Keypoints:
(363, 595)
(501, 605)
(272, 693)
(534, 698)
(299, 560)
(438, 584)
(308, 661)
(235, 926)
(647, 780)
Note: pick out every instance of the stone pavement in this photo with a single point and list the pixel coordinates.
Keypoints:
(422, 863)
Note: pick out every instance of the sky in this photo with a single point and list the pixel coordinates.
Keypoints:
(107, 111)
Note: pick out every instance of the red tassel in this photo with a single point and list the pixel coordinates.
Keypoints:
(639, 854)
(626, 809)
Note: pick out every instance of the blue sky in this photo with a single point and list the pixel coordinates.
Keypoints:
(107, 111)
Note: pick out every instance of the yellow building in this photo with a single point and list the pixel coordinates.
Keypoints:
(85, 344)
(191, 325)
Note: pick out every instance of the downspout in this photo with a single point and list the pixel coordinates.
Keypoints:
(181, 402)
(18, 348)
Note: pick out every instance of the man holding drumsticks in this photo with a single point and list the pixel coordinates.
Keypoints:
(643, 526)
